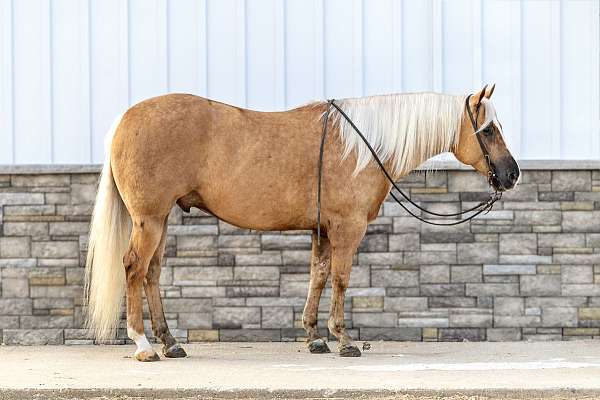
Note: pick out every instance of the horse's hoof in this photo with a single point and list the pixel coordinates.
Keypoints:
(175, 351)
(318, 346)
(146, 356)
(349, 351)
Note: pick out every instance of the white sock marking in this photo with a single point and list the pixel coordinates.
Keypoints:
(140, 340)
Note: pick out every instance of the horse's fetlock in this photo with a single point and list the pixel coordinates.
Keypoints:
(336, 326)
(309, 321)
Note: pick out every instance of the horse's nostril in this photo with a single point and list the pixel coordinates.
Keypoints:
(513, 176)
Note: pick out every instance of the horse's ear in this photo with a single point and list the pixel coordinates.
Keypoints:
(477, 97)
(490, 91)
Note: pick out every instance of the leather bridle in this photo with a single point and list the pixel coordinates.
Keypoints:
(484, 206)
(492, 175)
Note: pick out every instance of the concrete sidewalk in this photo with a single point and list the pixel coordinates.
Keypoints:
(287, 370)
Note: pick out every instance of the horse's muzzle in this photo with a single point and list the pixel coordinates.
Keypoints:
(506, 178)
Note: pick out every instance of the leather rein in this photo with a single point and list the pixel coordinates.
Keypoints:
(484, 206)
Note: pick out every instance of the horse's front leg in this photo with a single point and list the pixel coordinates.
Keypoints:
(345, 239)
(320, 265)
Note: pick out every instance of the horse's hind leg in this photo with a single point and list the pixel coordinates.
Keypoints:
(319, 271)
(345, 239)
(145, 237)
(171, 348)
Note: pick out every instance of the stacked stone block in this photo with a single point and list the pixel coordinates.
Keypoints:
(528, 270)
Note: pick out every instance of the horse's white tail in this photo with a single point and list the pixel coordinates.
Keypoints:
(109, 236)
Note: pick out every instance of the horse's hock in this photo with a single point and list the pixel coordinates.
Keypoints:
(530, 269)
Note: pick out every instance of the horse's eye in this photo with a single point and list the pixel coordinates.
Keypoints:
(487, 131)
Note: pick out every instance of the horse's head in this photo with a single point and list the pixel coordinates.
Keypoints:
(481, 144)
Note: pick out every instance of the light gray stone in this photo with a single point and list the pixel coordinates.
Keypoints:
(15, 287)
(235, 317)
(430, 257)
(56, 291)
(196, 320)
(15, 306)
(466, 273)
(255, 273)
(509, 269)
(187, 230)
(7, 198)
(405, 303)
(577, 273)
(398, 334)
(55, 249)
(581, 221)
(296, 257)
(173, 305)
(379, 319)
(15, 247)
(509, 306)
(477, 253)
(46, 321)
(435, 273)
(31, 337)
(571, 181)
(265, 258)
(443, 289)
(394, 278)
(540, 285)
(518, 243)
(69, 228)
(380, 259)
(538, 217)
(517, 321)
(196, 242)
(404, 242)
(83, 193)
(559, 317)
(40, 180)
(250, 335)
(463, 181)
(34, 229)
(203, 291)
(239, 241)
(277, 317)
(561, 240)
(503, 334)
(287, 242)
(197, 276)
(525, 259)
(424, 322)
(566, 258)
(492, 289)
(471, 320)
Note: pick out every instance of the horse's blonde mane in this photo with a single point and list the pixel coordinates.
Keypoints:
(404, 129)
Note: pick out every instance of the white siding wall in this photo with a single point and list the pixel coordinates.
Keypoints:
(67, 67)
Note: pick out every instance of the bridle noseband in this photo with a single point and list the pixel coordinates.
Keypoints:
(484, 206)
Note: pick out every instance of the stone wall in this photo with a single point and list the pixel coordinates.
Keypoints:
(530, 269)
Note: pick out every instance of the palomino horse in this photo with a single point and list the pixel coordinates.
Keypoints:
(258, 170)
